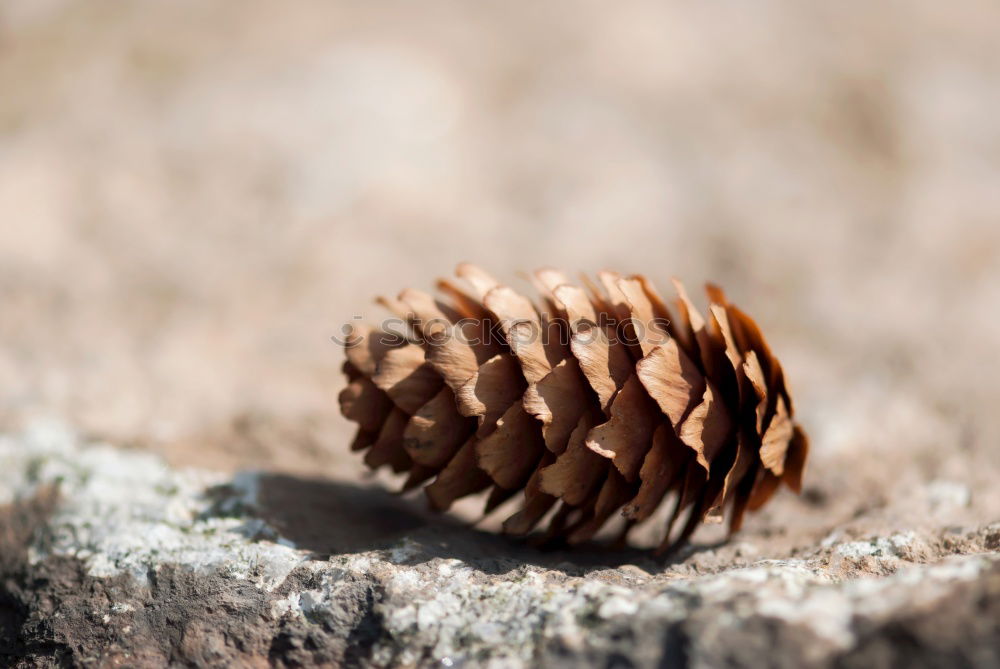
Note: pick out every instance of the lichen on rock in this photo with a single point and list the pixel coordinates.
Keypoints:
(150, 565)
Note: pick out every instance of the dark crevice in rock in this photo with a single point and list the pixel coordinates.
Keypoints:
(19, 522)
(675, 648)
(362, 637)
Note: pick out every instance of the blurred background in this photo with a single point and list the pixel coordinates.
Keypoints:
(195, 195)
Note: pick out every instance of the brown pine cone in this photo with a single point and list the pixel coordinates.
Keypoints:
(594, 401)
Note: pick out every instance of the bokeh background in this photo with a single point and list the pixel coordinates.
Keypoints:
(195, 194)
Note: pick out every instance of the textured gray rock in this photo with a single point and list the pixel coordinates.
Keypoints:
(109, 557)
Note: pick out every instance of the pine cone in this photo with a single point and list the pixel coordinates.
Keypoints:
(593, 402)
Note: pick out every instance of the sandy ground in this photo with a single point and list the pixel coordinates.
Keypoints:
(194, 196)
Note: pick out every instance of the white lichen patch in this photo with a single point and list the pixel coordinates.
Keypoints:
(126, 511)
(886, 547)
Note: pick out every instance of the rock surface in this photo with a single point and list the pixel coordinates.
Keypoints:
(112, 558)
